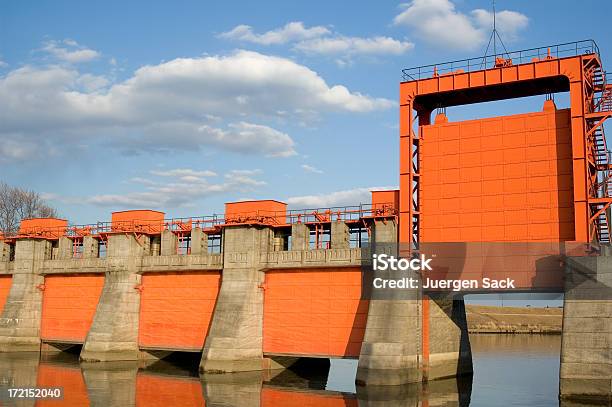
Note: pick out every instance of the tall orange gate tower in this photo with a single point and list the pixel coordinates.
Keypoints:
(542, 176)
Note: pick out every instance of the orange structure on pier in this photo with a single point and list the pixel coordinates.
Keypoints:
(532, 177)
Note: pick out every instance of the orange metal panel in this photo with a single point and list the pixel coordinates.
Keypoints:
(271, 397)
(493, 76)
(314, 312)
(68, 377)
(526, 71)
(499, 172)
(382, 198)
(43, 227)
(149, 219)
(251, 210)
(69, 306)
(477, 78)
(5, 287)
(428, 85)
(176, 309)
(154, 390)
(462, 80)
(33, 223)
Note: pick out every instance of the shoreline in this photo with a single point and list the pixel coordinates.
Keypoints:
(514, 320)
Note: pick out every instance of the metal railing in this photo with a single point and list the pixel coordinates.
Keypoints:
(211, 222)
(567, 49)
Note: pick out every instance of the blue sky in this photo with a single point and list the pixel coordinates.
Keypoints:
(182, 106)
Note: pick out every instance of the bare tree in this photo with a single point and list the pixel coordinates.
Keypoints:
(17, 204)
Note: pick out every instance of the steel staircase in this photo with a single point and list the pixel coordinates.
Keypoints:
(602, 157)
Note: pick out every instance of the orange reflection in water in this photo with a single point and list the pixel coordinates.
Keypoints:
(70, 378)
(290, 398)
(154, 390)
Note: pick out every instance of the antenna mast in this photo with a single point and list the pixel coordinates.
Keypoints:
(494, 37)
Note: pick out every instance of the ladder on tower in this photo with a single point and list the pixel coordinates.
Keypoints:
(602, 156)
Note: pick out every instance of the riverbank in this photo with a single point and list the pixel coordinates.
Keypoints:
(514, 320)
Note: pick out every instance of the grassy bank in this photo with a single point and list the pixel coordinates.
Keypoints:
(488, 319)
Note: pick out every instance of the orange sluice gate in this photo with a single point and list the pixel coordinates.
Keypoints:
(265, 211)
(505, 178)
(69, 306)
(315, 312)
(176, 309)
(145, 219)
(556, 157)
(5, 287)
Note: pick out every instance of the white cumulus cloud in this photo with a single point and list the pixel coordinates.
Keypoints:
(178, 188)
(310, 168)
(168, 106)
(70, 51)
(293, 31)
(346, 197)
(321, 41)
(439, 23)
(355, 46)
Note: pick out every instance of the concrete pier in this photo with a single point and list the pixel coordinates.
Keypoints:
(21, 316)
(114, 331)
(412, 340)
(586, 347)
(235, 339)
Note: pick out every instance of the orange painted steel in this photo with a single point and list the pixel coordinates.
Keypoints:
(68, 377)
(580, 74)
(42, 227)
(158, 390)
(316, 312)
(148, 222)
(506, 178)
(271, 397)
(385, 201)
(176, 309)
(5, 287)
(144, 220)
(69, 306)
(264, 211)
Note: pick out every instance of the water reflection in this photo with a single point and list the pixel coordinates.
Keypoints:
(510, 370)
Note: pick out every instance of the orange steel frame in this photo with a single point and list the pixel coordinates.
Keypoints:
(591, 104)
(574, 67)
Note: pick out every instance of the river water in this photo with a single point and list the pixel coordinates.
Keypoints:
(509, 370)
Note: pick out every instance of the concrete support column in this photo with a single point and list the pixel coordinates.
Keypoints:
(390, 352)
(235, 338)
(114, 331)
(586, 344)
(450, 353)
(391, 345)
(21, 316)
(339, 235)
(168, 243)
(384, 232)
(155, 245)
(300, 237)
(90, 247)
(64, 248)
(199, 241)
(5, 251)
